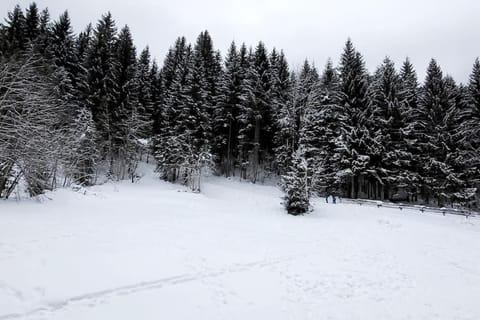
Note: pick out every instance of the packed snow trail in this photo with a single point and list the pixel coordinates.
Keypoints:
(152, 250)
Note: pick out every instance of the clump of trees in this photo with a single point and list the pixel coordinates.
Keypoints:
(73, 107)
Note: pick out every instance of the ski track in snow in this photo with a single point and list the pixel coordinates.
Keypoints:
(144, 286)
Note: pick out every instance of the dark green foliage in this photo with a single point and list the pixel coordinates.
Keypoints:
(388, 127)
(32, 22)
(231, 101)
(343, 131)
(15, 32)
(356, 143)
(102, 69)
(296, 184)
(327, 130)
(436, 114)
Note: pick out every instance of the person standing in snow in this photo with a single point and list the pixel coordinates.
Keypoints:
(326, 196)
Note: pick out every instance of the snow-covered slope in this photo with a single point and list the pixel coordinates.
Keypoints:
(153, 251)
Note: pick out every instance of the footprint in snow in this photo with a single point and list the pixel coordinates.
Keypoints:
(389, 224)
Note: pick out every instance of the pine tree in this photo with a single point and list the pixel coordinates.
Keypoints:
(459, 177)
(244, 117)
(326, 125)
(155, 80)
(169, 144)
(81, 161)
(388, 123)
(473, 100)
(62, 43)
(202, 89)
(102, 69)
(62, 53)
(226, 127)
(144, 84)
(82, 46)
(356, 141)
(123, 113)
(296, 184)
(258, 118)
(15, 32)
(282, 86)
(42, 42)
(32, 22)
(409, 92)
(435, 113)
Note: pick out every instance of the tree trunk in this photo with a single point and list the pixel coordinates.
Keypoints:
(352, 190)
(256, 148)
(229, 144)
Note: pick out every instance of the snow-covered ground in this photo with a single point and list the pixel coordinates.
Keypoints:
(152, 251)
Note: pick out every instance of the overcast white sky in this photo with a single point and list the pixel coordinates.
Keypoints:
(446, 30)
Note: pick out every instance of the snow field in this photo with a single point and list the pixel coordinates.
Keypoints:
(153, 251)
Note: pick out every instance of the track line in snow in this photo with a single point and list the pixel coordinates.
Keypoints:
(144, 286)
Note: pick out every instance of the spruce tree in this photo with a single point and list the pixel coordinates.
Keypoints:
(409, 92)
(15, 32)
(226, 126)
(155, 80)
(435, 113)
(473, 100)
(388, 123)
(356, 140)
(42, 42)
(169, 144)
(32, 22)
(123, 113)
(282, 86)
(102, 67)
(296, 185)
(258, 119)
(144, 84)
(62, 53)
(326, 127)
(244, 117)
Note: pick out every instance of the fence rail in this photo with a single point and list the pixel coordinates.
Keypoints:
(467, 213)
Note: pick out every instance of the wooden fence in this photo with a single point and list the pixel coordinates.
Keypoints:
(467, 213)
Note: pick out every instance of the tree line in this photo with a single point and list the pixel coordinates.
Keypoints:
(74, 106)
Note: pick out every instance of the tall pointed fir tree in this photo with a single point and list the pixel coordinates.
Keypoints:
(387, 125)
(125, 123)
(102, 67)
(42, 42)
(196, 103)
(409, 91)
(435, 112)
(297, 185)
(245, 111)
(15, 32)
(226, 127)
(309, 126)
(168, 144)
(472, 126)
(155, 80)
(66, 68)
(32, 22)
(459, 179)
(356, 141)
(144, 85)
(282, 85)
(257, 120)
(326, 130)
(303, 93)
